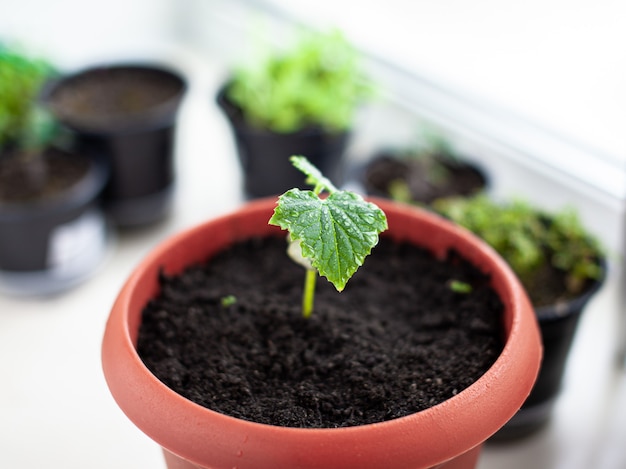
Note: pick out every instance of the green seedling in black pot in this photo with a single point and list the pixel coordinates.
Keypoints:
(317, 82)
(532, 241)
(26, 127)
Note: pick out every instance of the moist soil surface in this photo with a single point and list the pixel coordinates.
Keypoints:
(229, 336)
(103, 97)
(426, 179)
(26, 179)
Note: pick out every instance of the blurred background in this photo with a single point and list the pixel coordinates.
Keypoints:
(533, 90)
(542, 78)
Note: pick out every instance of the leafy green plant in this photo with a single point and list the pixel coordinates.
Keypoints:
(23, 124)
(329, 235)
(530, 239)
(317, 83)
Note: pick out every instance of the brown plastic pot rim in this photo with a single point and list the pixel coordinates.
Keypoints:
(430, 437)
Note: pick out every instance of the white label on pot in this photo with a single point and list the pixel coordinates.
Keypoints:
(69, 242)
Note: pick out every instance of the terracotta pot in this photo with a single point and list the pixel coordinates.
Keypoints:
(448, 435)
(264, 155)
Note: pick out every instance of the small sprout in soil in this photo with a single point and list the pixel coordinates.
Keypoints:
(334, 234)
(458, 286)
(228, 300)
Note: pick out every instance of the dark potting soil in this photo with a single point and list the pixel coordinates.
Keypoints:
(229, 335)
(427, 179)
(104, 96)
(25, 179)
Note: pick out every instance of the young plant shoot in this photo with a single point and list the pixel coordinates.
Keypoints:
(331, 235)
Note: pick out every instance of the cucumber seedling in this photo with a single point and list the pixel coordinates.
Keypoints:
(329, 235)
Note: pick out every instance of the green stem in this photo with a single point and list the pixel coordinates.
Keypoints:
(309, 293)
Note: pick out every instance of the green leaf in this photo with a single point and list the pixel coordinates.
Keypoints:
(336, 232)
(313, 175)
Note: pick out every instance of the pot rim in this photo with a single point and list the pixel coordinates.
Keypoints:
(363, 171)
(429, 437)
(161, 115)
(240, 124)
(82, 192)
(562, 309)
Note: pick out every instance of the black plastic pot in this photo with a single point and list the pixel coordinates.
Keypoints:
(462, 179)
(136, 139)
(558, 324)
(264, 155)
(50, 245)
